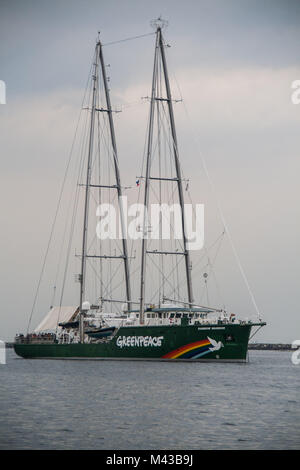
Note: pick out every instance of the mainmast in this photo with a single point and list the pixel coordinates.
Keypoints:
(146, 195)
(178, 172)
(160, 54)
(99, 62)
(118, 180)
(87, 195)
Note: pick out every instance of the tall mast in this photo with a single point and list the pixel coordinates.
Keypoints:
(99, 61)
(117, 176)
(178, 172)
(146, 195)
(159, 49)
(87, 195)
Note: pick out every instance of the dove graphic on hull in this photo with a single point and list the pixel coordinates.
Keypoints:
(195, 350)
(216, 345)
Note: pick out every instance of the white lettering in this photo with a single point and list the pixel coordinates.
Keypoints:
(106, 227)
(139, 341)
(195, 238)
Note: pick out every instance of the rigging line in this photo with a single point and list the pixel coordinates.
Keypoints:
(211, 264)
(66, 224)
(172, 289)
(139, 190)
(76, 198)
(109, 270)
(170, 199)
(171, 285)
(222, 217)
(173, 76)
(206, 288)
(131, 103)
(221, 214)
(128, 39)
(207, 256)
(166, 277)
(201, 295)
(67, 260)
(168, 221)
(161, 293)
(209, 269)
(132, 274)
(166, 133)
(106, 142)
(218, 289)
(167, 130)
(98, 277)
(213, 271)
(168, 138)
(225, 224)
(100, 196)
(106, 287)
(73, 219)
(56, 212)
(171, 194)
(102, 137)
(218, 239)
(60, 255)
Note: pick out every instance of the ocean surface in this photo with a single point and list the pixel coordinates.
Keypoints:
(49, 404)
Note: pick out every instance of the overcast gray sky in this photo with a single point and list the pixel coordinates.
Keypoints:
(234, 62)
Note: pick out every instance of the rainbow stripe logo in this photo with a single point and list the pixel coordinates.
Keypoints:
(194, 350)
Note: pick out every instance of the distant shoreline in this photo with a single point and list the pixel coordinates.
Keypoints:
(270, 346)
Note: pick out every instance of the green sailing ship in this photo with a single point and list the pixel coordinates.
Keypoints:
(165, 323)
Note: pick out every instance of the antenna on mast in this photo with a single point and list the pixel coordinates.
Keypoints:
(159, 23)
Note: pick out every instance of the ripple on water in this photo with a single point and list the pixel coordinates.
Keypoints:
(131, 405)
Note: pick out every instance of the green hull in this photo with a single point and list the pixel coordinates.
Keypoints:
(227, 342)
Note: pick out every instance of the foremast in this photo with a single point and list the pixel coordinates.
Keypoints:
(160, 54)
(99, 63)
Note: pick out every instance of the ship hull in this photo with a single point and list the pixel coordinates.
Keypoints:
(165, 343)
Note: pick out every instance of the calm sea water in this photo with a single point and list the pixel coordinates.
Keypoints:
(48, 404)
